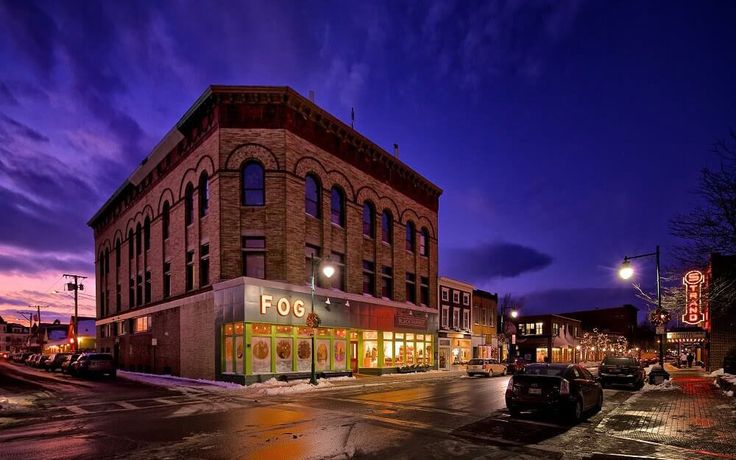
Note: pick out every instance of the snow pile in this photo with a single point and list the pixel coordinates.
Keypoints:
(14, 405)
(729, 378)
(173, 381)
(268, 388)
(666, 385)
(729, 393)
(716, 373)
(407, 374)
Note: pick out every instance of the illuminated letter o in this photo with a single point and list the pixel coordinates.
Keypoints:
(283, 306)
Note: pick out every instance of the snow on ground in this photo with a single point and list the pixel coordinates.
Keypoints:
(729, 378)
(268, 388)
(433, 371)
(14, 404)
(728, 393)
(664, 386)
(716, 373)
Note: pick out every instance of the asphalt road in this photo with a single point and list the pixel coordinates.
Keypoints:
(426, 416)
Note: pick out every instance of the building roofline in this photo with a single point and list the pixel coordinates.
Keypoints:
(174, 135)
(455, 283)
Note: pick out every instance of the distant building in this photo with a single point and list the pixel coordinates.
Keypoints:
(455, 333)
(547, 337)
(13, 336)
(614, 321)
(484, 339)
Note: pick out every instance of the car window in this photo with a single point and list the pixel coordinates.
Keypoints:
(617, 361)
(475, 362)
(543, 370)
(100, 358)
(586, 374)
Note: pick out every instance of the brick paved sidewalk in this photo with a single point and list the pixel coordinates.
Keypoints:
(693, 414)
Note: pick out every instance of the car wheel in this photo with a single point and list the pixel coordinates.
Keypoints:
(576, 412)
(514, 411)
(490, 373)
(599, 403)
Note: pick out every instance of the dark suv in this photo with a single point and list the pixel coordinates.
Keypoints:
(54, 362)
(621, 370)
(90, 364)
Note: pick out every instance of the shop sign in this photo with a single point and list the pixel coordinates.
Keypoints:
(693, 280)
(283, 306)
(414, 322)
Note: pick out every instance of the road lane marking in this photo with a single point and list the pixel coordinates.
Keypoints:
(77, 410)
(403, 406)
(126, 405)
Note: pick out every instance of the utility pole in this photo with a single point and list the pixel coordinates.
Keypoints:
(76, 287)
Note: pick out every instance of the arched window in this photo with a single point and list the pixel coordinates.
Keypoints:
(165, 219)
(369, 220)
(117, 252)
(337, 206)
(312, 195)
(387, 225)
(138, 240)
(107, 261)
(188, 204)
(130, 243)
(147, 234)
(253, 184)
(204, 194)
(424, 242)
(411, 239)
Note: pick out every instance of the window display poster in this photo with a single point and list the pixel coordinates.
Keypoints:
(261, 347)
(228, 354)
(323, 354)
(370, 353)
(304, 355)
(284, 354)
(239, 355)
(340, 354)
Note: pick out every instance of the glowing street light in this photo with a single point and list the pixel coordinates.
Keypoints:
(626, 271)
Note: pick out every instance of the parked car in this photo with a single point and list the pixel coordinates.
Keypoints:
(39, 362)
(485, 366)
(21, 357)
(89, 364)
(54, 362)
(569, 389)
(516, 366)
(5, 355)
(66, 366)
(621, 371)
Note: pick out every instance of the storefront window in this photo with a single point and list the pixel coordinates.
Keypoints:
(261, 347)
(262, 329)
(370, 335)
(323, 354)
(324, 332)
(388, 335)
(233, 352)
(284, 354)
(304, 355)
(229, 355)
(541, 354)
(370, 352)
(556, 355)
(388, 352)
(399, 352)
(341, 333)
(410, 351)
(340, 354)
(421, 358)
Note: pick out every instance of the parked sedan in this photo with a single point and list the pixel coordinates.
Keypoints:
(55, 361)
(487, 367)
(566, 388)
(66, 366)
(90, 364)
(621, 370)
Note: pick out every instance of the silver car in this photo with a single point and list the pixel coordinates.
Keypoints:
(485, 366)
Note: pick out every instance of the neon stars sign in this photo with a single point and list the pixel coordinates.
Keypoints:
(693, 281)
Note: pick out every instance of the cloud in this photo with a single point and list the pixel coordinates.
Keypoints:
(9, 125)
(11, 301)
(493, 260)
(33, 264)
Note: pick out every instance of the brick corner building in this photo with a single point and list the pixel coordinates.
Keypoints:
(203, 255)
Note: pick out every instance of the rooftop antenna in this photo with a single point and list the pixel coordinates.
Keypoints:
(311, 95)
(396, 150)
(352, 117)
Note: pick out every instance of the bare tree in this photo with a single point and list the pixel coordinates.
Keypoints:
(711, 227)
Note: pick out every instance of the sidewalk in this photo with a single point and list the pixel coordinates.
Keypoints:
(689, 412)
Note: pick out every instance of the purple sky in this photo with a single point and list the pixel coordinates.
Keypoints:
(565, 134)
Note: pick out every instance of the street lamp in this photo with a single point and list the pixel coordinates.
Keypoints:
(660, 316)
(514, 314)
(328, 270)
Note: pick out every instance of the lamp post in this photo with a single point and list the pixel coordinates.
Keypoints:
(328, 270)
(660, 316)
(514, 314)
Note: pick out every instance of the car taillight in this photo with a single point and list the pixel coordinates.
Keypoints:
(564, 387)
(510, 386)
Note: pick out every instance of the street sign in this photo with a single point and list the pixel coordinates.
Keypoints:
(660, 330)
